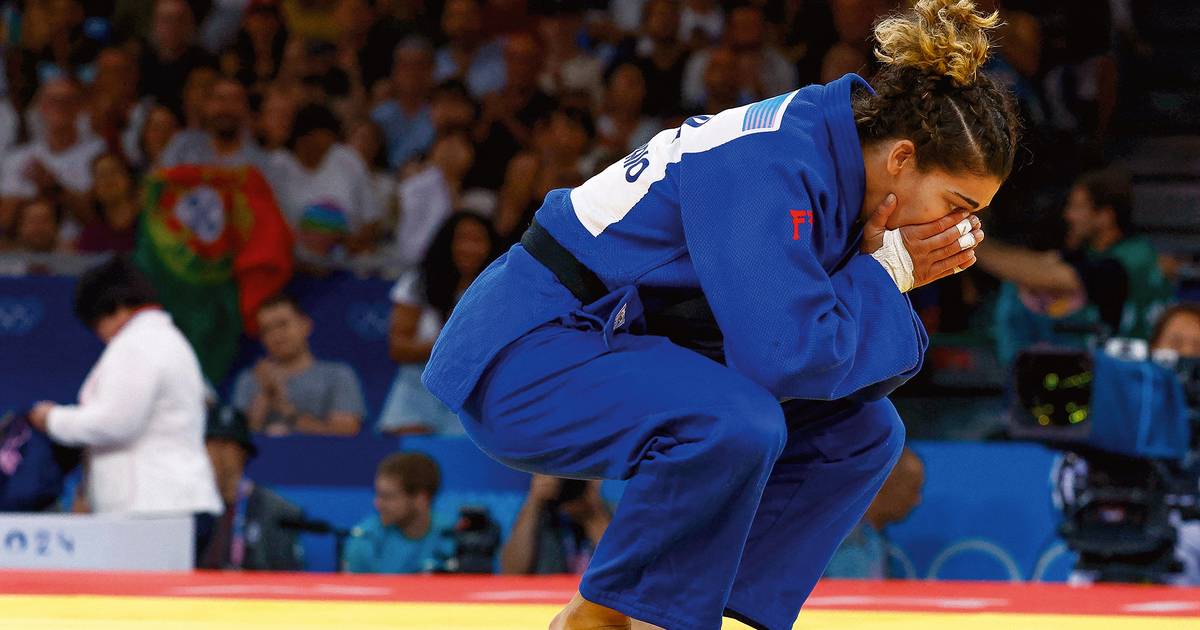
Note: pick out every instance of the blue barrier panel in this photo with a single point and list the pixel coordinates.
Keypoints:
(986, 513)
(45, 353)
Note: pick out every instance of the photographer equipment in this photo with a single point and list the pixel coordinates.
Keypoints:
(476, 539)
(305, 525)
(1127, 476)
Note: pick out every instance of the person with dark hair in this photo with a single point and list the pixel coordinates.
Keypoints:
(36, 227)
(141, 409)
(429, 195)
(225, 139)
(422, 299)
(652, 320)
(112, 224)
(558, 528)
(1103, 262)
(325, 189)
(289, 390)
(405, 117)
(56, 163)
(404, 536)
(257, 51)
(171, 52)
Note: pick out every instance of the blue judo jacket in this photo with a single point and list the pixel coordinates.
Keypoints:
(756, 208)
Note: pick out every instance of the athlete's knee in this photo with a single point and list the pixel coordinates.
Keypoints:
(883, 432)
(754, 430)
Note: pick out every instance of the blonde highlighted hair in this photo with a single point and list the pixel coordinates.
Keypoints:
(944, 37)
(931, 90)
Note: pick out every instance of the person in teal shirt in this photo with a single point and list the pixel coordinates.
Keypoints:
(1104, 274)
(403, 536)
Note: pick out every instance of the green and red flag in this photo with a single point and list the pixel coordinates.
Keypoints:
(215, 245)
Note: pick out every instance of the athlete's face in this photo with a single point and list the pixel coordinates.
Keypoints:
(923, 196)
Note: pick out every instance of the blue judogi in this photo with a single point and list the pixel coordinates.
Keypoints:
(735, 503)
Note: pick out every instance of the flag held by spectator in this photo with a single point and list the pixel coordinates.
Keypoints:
(213, 241)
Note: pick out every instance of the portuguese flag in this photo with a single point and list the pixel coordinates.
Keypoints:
(215, 245)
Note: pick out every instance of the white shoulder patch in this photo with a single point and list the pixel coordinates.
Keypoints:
(608, 196)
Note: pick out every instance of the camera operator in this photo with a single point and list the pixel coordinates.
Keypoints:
(1178, 331)
(557, 529)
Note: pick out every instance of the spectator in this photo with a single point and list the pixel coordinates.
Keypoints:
(722, 83)
(559, 159)
(56, 166)
(506, 124)
(429, 196)
(568, 67)
(622, 127)
(405, 118)
(197, 91)
(701, 23)
(366, 138)
(557, 529)
(249, 534)
(37, 227)
(467, 55)
(67, 49)
(111, 226)
(156, 134)
(325, 189)
(273, 126)
(1178, 330)
(1103, 260)
(863, 554)
(289, 391)
(141, 409)
(257, 51)
(171, 54)
(403, 536)
(452, 109)
(225, 139)
(421, 301)
(116, 114)
(852, 20)
(762, 69)
(660, 55)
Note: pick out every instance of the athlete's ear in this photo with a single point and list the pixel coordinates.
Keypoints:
(903, 155)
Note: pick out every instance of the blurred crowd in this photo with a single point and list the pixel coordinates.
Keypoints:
(418, 137)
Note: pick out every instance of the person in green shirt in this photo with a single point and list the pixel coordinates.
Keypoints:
(1103, 265)
(403, 536)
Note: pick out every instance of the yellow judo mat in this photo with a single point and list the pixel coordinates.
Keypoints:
(91, 612)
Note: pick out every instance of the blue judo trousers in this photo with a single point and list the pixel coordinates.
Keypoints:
(745, 472)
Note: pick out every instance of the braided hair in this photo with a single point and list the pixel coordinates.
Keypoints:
(930, 90)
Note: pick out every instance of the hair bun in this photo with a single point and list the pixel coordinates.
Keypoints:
(940, 37)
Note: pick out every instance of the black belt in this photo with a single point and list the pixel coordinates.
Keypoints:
(583, 283)
(682, 316)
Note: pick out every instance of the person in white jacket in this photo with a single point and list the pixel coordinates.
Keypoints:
(141, 411)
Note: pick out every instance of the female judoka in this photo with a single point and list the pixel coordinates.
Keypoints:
(653, 319)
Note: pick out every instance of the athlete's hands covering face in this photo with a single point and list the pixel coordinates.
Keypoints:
(938, 248)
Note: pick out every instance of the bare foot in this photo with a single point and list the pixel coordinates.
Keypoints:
(580, 614)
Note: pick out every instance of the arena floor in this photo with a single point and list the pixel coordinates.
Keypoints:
(226, 601)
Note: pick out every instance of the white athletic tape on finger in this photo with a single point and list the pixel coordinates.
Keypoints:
(964, 227)
(957, 269)
(966, 241)
(895, 260)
